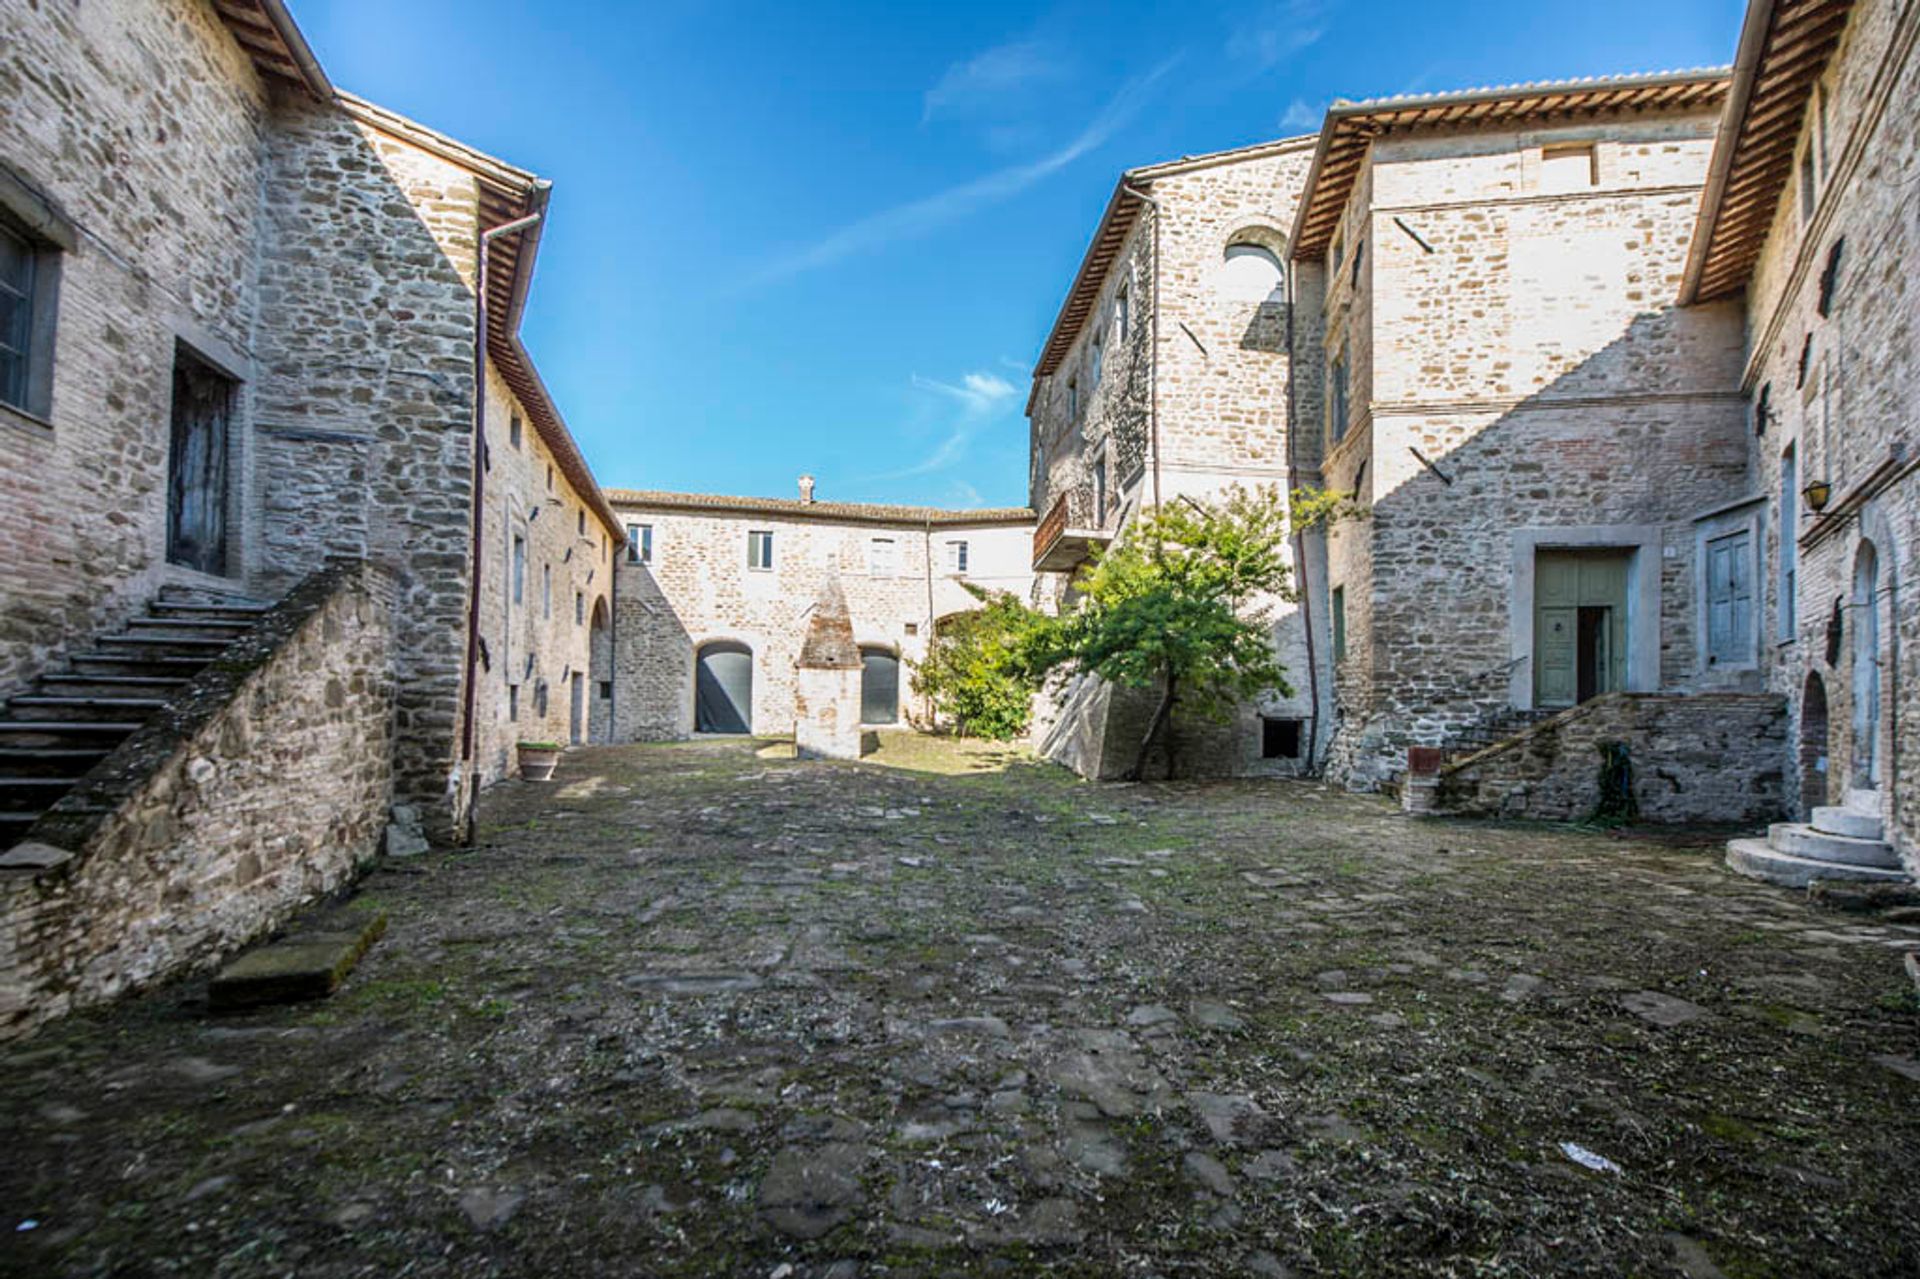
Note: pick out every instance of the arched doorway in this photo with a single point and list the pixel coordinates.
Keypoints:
(1813, 744)
(1865, 772)
(879, 685)
(723, 688)
(600, 672)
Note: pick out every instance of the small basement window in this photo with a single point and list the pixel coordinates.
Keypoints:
(1279, 738)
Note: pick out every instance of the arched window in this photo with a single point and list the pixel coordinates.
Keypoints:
(1250, 273)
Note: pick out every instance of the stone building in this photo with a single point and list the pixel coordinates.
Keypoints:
(246, 335)
(1810, 223)
(714, 596)
(1549, 450)
(1167, 374)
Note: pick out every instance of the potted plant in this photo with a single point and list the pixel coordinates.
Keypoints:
(538, 760)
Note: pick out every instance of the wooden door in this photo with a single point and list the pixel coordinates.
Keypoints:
(1579, 624)
(1730, 598)
(197, 466)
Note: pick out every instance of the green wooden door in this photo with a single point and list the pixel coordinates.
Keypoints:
(1579, 624)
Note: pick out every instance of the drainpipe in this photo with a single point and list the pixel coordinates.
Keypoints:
(1299, 542)
(926, 636)
(487, 238)
(1153, 340)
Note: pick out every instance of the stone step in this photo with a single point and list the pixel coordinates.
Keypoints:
(136, 662)
(1862, 800)
(203, 647)
(25, 734)
(223, 629)
(305, 965)
(1756, 860)
(64, 708)
(86, 684)
(1850, 822)
(200, 597)
(15, 823)
(1799, 840)
(211, 612)
(68, 763)
(31, 794)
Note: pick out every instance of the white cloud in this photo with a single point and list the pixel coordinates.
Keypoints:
(965, 495)
(1276, 31)
(1301, 117)
(979, 392)
(919, 217)
(986, 80)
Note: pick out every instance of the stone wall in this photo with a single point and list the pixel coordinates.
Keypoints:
(541, 643)
(1850, 413)
(699, 589)
(1524, 343)
(143, 122)
(264, 784)
(1711, 758)
(1212, 382)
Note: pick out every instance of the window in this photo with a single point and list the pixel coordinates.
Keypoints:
(549, 479)
(759, 549)
(1073, 397)
(1809, 185)
(513, 430)
(1122, 314)
(546, 590)
(1569, 166)
(1250, 273)
(1279, 738)
(1789, 544)
(540, 699)
(956, 557)
(1337, 398)
(883, 557)
(580, 522)
(1763, 409)
(1338, 253)
(579, 609)
(1830, 276)
(1339, 623)
(639, 543)
(519, 569)
(513, 701)
(1100, 491)
(1359, 257)
(1806, 363)
(29, 291)
(1097, 359)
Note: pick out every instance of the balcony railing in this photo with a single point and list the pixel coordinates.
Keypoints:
(1068, 532)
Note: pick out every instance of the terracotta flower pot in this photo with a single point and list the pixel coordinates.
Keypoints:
(538, 760)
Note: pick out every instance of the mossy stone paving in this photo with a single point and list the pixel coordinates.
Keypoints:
(704, 1010)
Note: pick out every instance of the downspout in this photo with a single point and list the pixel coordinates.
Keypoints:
(1299, 542)
(1153, 340)
(480, 319)
(927, 637)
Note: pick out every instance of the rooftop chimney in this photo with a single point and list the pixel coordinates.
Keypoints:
(806, 489)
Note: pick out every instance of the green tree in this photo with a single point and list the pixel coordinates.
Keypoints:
(983, 667)
(1181, 605)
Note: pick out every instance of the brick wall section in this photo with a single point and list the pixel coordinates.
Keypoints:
(1710, 758)
(1218, 380)
(181, 845)
(143, 121)
(1857, 403)
(699, 589)
(1534, 356)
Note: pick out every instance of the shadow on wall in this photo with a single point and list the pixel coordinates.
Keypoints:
(652, 661)
(1617, 440)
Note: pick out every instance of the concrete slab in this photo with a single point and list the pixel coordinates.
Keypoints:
(298, 967)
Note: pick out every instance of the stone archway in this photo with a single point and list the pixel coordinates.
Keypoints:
(1864, 770)
(600, 673)
(1814, 736)
(723, 688)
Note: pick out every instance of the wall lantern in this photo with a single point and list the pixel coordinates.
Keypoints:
(1817, 494)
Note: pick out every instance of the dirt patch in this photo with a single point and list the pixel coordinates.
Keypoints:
(696, 1011)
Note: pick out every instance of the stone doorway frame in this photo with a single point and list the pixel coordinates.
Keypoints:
(1643, 544)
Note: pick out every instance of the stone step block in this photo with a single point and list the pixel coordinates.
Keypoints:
(1849, 822)
(1802, 840)
(1863, 800)
(302, 966)
(1756, 860)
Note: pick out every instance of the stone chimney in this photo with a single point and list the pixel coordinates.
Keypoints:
(826, 693)
(806, 489)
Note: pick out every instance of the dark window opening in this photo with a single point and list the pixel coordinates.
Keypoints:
(1279, 738)
(513, 701)
(1763, 409)
(1830, 276)
(513, 430)
(606, 689)
(1806, 360)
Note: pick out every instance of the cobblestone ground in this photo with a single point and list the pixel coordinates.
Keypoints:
(694, 1010)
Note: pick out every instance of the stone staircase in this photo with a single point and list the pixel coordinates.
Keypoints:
(1491, 731)
(1846, 841)
(70, 720)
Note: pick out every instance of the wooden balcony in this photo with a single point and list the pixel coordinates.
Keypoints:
(1068, 534)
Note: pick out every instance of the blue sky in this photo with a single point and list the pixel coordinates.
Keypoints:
(831, 237)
